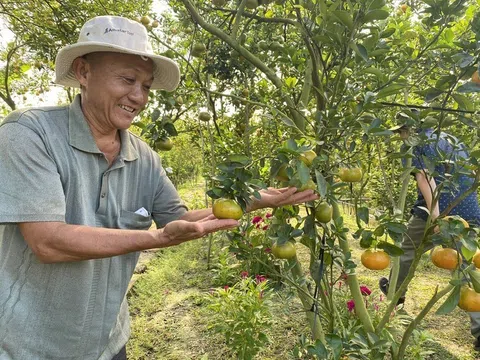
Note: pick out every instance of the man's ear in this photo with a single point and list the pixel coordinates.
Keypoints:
(80, 69)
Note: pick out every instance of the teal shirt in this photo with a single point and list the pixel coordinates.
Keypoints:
(52, 170)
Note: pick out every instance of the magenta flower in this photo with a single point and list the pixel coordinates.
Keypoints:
(265, 227)
(268, 216)
(244, 274)
(268, 250)
(257, 219)
(350, 305)
(365, 290)
(226, 287)
(260, 278)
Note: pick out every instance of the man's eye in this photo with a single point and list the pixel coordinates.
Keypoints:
(129, 80)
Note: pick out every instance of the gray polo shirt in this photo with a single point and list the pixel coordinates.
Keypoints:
(52, 170)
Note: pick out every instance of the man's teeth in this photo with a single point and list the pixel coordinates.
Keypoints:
(127, 108)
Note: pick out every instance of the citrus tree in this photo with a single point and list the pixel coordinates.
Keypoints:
(329, 78)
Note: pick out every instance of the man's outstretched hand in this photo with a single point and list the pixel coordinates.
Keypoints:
(179, 231)
(273, 197)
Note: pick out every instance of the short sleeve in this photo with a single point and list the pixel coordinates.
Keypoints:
(30, 185)
(167, 204)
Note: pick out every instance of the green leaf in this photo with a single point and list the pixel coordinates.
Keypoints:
(390, 249)
(463, 102)
(321, 184)
(371, 70)
(362, 213)
(463, 59)
(432, 94)
(475, 279)
(303, 172)
(396, 227)
(336, 344)
(377, 14)
(360, 50)
(239, 158)
(450, 303)
(170, 129)
(387, 32)
(155, 115)
(318, 350)
(344, 17)
(390, 90)
(291, 82)
(467, 121)
(469, 87)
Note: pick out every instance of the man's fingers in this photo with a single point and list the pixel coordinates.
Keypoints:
(219, 224)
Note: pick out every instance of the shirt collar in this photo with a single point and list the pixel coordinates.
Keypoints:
(81, 138)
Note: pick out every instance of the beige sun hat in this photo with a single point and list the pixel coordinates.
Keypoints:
(115, 34)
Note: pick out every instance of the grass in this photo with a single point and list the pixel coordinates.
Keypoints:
(169, 320)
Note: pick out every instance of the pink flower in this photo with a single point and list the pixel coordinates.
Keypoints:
(265, 227)
(365, 290)
(268, 216)
(226, 287)
(381, 297)
(376, 307)
(260, 278)
(344, 276)
(268, 250)
(244, 274)
(350, 305)
(257, 219)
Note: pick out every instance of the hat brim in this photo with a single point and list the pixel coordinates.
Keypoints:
(166, 74)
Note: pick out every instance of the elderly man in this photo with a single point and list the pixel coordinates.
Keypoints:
(78, 194)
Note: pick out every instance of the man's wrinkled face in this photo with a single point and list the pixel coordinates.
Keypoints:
(115, 88)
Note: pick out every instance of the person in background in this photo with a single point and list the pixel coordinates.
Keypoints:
(446, 153)
(78, 194)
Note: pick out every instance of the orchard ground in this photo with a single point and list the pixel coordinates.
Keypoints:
(169, 320)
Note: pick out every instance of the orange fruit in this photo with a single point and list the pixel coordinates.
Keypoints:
(464, 222)
(444, 258)
(375, 260)
(469, 300)
(476, 77)
(404, 8)
(476, 260)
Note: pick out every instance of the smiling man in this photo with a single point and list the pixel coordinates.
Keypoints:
(78, 194)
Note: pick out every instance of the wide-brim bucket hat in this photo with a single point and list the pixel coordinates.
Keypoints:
(120, 35)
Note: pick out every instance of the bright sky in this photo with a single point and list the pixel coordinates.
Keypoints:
(51, 97)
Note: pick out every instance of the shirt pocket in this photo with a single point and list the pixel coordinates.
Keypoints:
(133, 221)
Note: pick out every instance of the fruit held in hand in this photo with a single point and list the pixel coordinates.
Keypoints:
(227, 209)
(444, 258)
(310, 185)
(375, 260)
(284, 251)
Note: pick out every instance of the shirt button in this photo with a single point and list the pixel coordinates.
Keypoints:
(103, 195)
